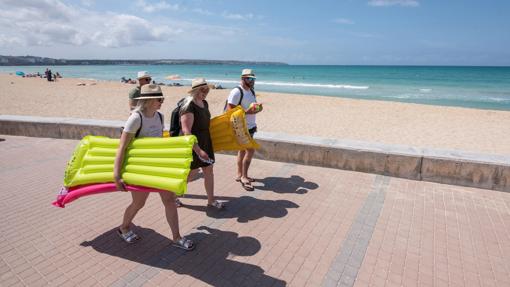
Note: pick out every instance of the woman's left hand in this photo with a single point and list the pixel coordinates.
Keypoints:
(121, 186)
(201, 153)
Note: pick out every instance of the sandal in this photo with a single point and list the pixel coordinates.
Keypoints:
(178, 202)
(128, 237)
(238, 179)
(184, 243)
(247, 186)
(217, 204)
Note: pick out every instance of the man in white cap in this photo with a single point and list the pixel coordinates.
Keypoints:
(143, 79)
(244, 95)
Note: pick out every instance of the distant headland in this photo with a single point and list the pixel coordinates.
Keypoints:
(42, 61)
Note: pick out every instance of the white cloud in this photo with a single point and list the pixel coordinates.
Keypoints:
(203, 12)
(129, 30)
(237, 16)
(408, 3)
(50, 22)
(87, 3)
(10, 41)
(343, 21)
(367, 35)
(149, 8)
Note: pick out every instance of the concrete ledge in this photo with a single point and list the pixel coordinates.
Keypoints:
(66, 128)
(442, 166)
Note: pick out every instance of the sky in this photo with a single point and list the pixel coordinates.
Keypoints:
(341, 32)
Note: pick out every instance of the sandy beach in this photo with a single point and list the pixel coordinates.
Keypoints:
(483, 131)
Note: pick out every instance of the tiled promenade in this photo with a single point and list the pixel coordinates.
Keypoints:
(302, 226)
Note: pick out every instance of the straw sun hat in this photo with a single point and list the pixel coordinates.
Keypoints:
(150, 91)
(198, 83)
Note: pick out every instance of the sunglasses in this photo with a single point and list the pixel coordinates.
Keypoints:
(250, 79)
(147, 79)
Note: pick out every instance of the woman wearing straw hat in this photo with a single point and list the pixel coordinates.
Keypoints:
(195, 119)
(146, 121)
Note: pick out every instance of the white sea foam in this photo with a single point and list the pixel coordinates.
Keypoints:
(425, 90)
(399, 97)
(498, 100)
(287, 84)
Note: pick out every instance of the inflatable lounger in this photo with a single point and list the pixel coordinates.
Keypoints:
(229, 131)
(67, 195)
(151, 163)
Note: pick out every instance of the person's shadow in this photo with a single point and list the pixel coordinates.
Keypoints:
(211, 262)
(293, 184)
(244, 208)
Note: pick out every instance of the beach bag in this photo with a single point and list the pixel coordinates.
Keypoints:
(175, 120)
(240, 99)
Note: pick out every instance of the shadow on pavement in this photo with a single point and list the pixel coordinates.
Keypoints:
(244, 208)
(293, 184)
(209, 262)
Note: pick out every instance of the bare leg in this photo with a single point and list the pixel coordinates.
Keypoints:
(209, 183)
(246, 164)
(139, 199)
(192, 174)
(168, 199)
(240, 157)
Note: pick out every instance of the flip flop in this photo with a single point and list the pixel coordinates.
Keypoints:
(238, 179)
(247, 186)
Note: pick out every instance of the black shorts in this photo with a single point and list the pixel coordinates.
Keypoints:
(252, 131)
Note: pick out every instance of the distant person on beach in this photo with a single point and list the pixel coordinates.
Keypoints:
(145, 121)
(48, 75)
(143, 79)
(244, 95)
(195, 118)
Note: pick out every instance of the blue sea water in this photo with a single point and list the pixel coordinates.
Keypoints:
(474, 87)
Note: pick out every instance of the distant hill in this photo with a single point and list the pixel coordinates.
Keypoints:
(41, 61)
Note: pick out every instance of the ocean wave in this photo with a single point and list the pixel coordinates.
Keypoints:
(497, 100)
(399, 96)
(425, 90)
(287, 84)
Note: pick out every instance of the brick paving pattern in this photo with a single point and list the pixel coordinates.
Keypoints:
(302, 226)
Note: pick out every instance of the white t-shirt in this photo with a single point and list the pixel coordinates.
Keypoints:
(248, 98)
(151, 127)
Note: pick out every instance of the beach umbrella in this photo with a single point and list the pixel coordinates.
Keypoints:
(20, 73)
(173, 77)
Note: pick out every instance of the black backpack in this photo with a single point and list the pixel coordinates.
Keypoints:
(240, 99)
(175, 119)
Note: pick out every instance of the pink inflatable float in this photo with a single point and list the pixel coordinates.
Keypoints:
(66, 196)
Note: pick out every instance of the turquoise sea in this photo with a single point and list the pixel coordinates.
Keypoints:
(474, 87)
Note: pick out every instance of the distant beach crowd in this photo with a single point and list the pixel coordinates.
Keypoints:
(48, 75)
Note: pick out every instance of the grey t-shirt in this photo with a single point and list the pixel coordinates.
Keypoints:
(152, 127)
